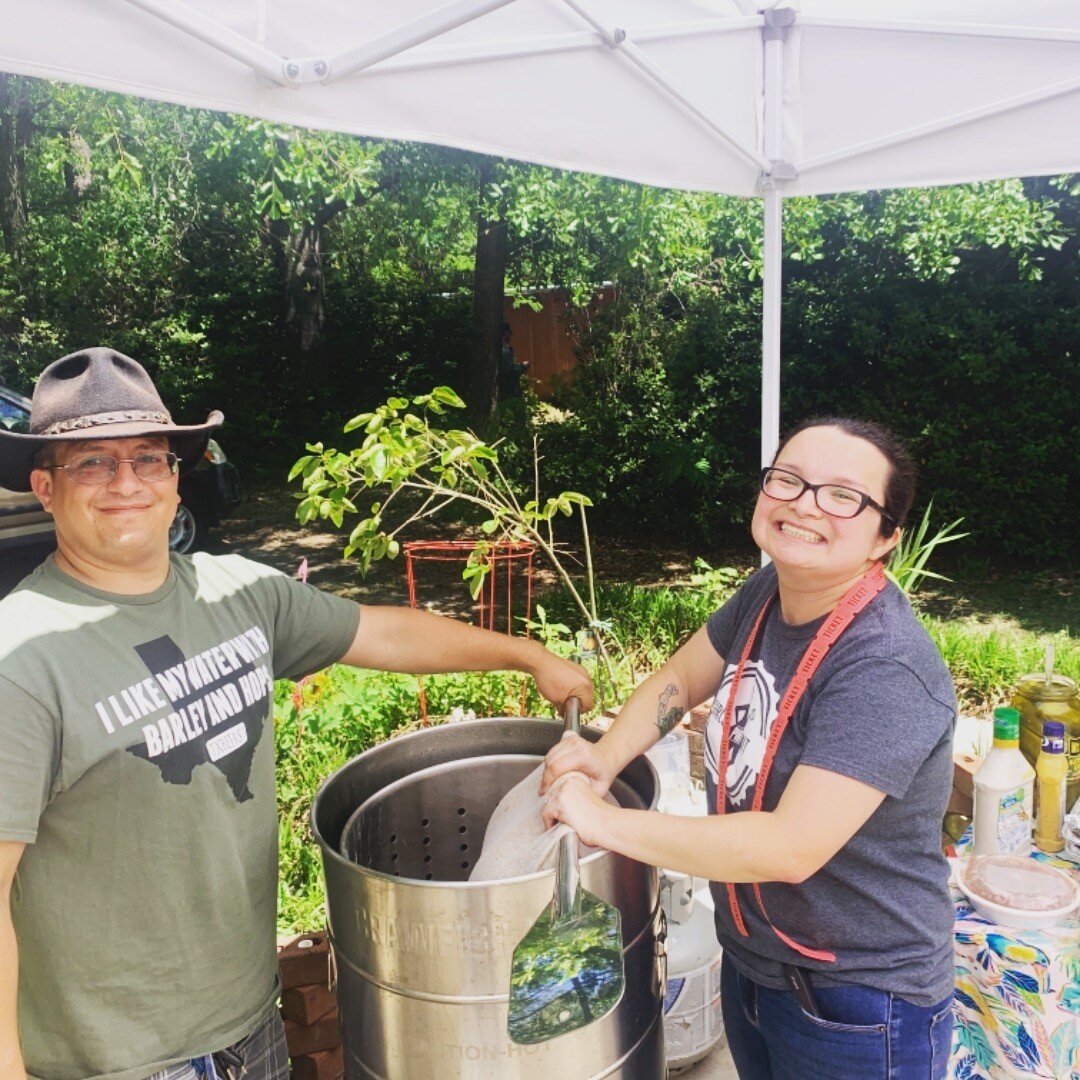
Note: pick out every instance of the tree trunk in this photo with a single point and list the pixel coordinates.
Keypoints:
(15, 128)
(305, 285)
(489, 286)
(298, 261)
(77, 173)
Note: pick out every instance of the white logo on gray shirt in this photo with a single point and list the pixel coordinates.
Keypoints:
(752, 718)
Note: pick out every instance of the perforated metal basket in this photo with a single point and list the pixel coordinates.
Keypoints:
(430, 826)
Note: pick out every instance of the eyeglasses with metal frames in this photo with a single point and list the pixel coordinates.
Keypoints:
(832, 499)
(151, 467)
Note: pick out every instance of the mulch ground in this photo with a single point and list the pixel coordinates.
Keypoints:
(264, 527)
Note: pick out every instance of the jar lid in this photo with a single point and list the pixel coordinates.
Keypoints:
(1035, 686)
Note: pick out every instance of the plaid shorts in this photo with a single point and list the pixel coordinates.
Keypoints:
(263, 1052)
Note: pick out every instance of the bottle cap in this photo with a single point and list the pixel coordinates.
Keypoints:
(1006, 724)
(1055, 729)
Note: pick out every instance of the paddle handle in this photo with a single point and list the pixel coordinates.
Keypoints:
(572, 714)
(567, 875)
(567, 878)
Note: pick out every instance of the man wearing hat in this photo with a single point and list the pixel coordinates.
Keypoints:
(138, 832)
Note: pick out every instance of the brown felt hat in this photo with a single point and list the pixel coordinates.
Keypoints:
(97, 394)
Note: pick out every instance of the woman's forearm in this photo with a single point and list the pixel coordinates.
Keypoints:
(655, 707)
(748, 845)
(743, 847)
(661, 701)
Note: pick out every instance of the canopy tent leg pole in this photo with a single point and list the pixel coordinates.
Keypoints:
(772, 284)
(778, 23)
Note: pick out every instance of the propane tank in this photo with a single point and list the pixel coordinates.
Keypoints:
(693, 1025)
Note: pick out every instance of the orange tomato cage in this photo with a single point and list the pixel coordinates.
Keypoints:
(510, 575)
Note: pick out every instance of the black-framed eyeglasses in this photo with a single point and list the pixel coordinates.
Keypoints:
(152, 466)
(832, 499)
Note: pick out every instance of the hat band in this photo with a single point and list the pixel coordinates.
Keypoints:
(78, 423)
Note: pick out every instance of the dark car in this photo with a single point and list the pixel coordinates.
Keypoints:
(207, 494)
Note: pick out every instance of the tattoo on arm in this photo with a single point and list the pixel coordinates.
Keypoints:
(667, 715)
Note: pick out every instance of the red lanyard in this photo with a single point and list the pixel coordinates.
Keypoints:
(841, 617)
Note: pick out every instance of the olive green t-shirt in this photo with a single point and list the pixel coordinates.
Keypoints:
(137, 764)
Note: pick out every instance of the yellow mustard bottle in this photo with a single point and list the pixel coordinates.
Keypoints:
(1051, 774)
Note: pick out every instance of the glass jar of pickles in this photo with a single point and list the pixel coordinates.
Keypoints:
(1055, 698)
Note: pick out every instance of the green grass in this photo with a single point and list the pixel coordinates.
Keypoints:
(650, 623)
(987, 661)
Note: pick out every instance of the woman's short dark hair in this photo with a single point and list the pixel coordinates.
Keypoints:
(900, 484)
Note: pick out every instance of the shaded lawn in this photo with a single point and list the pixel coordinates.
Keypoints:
(264, 528)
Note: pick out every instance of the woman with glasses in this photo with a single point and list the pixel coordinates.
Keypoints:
(829, 764)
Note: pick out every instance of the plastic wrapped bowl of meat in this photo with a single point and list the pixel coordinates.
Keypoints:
(1018, 892)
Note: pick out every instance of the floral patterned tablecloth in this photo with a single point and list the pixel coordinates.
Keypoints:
(1017, 1004)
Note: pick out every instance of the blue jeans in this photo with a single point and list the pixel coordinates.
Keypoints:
(862, 1033)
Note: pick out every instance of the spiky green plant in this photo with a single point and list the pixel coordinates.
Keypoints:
(907, 565)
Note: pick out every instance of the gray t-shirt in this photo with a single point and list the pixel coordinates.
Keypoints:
(881, 709)
(137, 765)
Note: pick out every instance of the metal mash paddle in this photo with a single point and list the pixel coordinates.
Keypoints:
(567, 971)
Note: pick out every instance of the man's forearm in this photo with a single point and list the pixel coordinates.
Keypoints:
(11, 1061)
(419, 643)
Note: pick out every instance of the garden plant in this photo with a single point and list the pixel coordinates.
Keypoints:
(403, 452)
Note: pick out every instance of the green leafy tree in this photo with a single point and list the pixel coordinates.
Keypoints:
(403, 454)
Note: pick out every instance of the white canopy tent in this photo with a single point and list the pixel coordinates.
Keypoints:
(816, 97)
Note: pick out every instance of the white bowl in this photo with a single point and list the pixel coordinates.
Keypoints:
(1019, 918)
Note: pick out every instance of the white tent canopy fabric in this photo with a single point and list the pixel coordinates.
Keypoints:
(821, 96)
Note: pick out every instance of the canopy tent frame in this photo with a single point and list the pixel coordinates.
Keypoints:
(359, 58)
(262, 61)
(286, 71)
(947, 123)
(617, 39)
(914, 26)
(415, 46)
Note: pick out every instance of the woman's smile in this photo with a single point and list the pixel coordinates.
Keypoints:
(798, 532)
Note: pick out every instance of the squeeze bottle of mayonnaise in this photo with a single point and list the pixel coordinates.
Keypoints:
(1004, 792)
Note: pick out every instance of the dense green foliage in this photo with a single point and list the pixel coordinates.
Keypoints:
(951, 316)
(298, 278)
